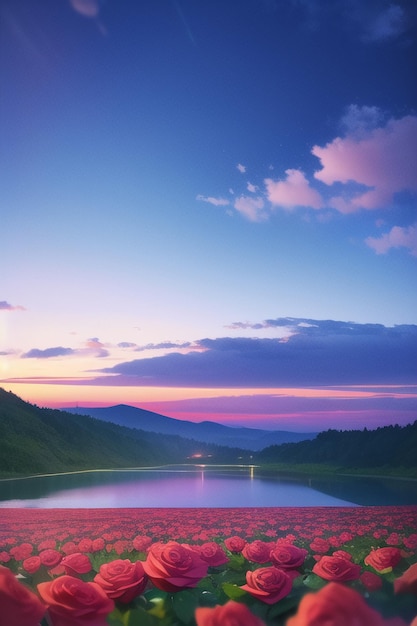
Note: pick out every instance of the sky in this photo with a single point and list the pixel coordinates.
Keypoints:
(209, 208)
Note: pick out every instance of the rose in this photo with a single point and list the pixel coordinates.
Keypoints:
(235, 544)
(287, 556)
(76, 563)
(268, 584)
(335, 605)
(122, 579)
(258, 551)
(371, 581)
(230, 614)
(407, 583)
(383, 559)
(19, 606)
(50, 558)
(73, 602)
(320, 545)
(173, 566)
(212, 553)
(141, 543)
(31, 564)
(336, 569)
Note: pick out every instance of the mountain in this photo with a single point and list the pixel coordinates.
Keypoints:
(35, 440)
(208, 432)
(384, 447)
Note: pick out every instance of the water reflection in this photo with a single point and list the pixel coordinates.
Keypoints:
(200, 486)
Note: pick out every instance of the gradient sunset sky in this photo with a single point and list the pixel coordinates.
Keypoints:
(209, 208)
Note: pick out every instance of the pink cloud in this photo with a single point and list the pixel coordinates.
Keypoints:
(88, 8)
(383, 161)
(397, 237)
(293, 192)
(5, 306)
(251, 208)
(213, 201)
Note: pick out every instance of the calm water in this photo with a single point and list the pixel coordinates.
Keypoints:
(199, 486)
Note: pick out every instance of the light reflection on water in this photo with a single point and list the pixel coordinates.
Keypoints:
(196, 486)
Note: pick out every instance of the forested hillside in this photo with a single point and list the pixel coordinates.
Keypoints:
(35, 440)
(389, 446)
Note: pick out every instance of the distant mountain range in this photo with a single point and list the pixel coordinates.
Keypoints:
(207, 432)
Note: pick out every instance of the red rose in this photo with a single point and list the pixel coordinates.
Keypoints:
(230, 614)
(141, 543)
(287, 556)
(50, 558)
(407, 583)
(383, 559)
(335, 605)
(235, 544)
(76, 563)
(73, 602)
(258, 551)
(320, 545)
(371, 581)
(212, 553)
(32, 564)
(122, 579)
(336, 569)
(173, 566)
(268, 584)
(19, 606)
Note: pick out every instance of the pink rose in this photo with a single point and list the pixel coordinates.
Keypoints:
(31, 564)
(371, 581)
(19, 606)
(73, 602)
(287, 556)
(268, 584)
(235, 544)
(122, 579)
(173, 566)
(407, 583)
(50, 558)
(258, 551)
(335, 605)
(231, 614)
(141, 543)
(212, 553)
(383, 559)
(76, 563)
(336, 569)
(320, 545)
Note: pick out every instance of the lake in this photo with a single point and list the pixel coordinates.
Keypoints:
(201, 486)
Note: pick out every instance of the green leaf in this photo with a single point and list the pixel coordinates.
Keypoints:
(312, 581)
(184, 604)
(233, 591)
(139, 617)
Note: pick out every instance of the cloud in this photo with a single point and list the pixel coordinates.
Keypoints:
(318, 352)
(88, 8)
(383, 162)
(127, 344)
(294, 191)
(214, 201)
(165, 345)
(390, 23)
(94, 347)
(397, 237)
(251, 188)
(360, 120)
(251, 208)
(5, 306)
(241, 168)
(48, 353)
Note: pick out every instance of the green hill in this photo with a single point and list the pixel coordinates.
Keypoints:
(35, 440)
(387, 448)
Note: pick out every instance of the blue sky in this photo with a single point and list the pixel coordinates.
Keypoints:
(188, 184)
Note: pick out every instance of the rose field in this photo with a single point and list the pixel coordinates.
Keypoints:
(209, 567)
